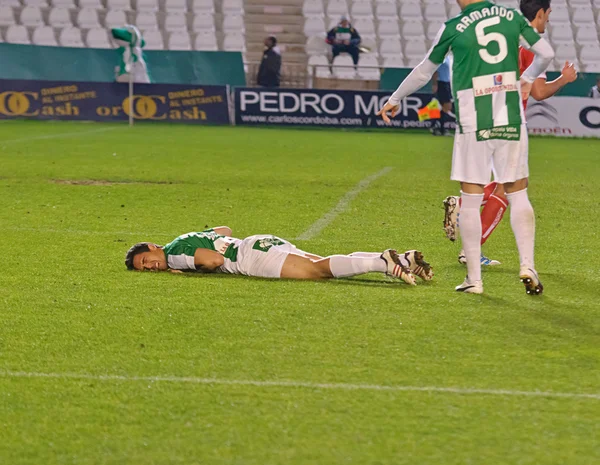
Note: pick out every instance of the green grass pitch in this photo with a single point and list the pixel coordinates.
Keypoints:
(103, 366)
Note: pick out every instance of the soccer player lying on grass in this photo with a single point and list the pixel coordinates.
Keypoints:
(266, 256)
(495, 201)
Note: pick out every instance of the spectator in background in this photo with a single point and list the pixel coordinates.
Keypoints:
(344, 39)
(443, 92)
(595, 91)
(269, 72)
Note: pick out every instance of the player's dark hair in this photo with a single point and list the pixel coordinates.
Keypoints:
(138, 248)
(530, 8)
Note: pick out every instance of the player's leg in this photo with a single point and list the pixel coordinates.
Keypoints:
(343, 266)
(514, 174)
(494, 207)
(472, 166)
(412, 259)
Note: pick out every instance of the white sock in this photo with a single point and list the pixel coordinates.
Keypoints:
(365, 254)
(522, 220)
(342, 266)
(470, 233)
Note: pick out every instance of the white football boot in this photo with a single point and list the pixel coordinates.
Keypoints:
(468, 287)
(451, 211)
(413, 260)
(396, 269)
(531, 280)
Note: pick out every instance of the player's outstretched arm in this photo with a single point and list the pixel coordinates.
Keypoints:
(207, 260)
(418, 77)
(542, 89)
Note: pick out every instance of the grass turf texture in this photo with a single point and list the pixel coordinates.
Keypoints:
(69, 306)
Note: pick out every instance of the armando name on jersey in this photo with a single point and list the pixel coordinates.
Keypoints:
(474, 16)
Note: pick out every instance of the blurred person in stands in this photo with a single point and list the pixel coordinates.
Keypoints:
(595, 91)
(443, 92)
(344, 39)
(269, 72)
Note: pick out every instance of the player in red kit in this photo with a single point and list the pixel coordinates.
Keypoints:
(495, 202)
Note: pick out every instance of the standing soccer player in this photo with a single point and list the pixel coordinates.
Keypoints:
(491, 134)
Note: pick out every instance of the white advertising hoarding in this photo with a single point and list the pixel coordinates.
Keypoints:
(564, 116)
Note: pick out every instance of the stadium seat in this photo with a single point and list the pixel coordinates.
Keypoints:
(565, 52)
(118, 5)
(362, 9)
(87, 18)
(386, 11)
(175, 22)
(560, 16)
(388, 29)
(592, 67)
(13, 3)
(7, 17)
(17, 34)
(415, 49)
(364, 26)
(97, 38)
(577, 3)
(154, 40)
(390, 46)
(179, 40)
(313, 9)
(393, 61)
(368, 68)
(343, 67)
(412, 11)
(433, 28)
(203, 22)
(561, 34)
(435, 2)
(44, 36)
(37, 3)
(233, 7)
(176, 6)
(31, 16)
(370, 43)
(590, 53)
(587, 35)
(92, 4)
(71, 37)
(59, 17)
(234, 42)
(319, 64)
(333, 22)
(454, 10)
(63, 4)
(206, 41)
(233, 24)
(337, 8)
(146, 5)
(315, 45)
(413, 30)
(413, 62)
(146, 21)
(313, 26)
(582, 15)
(435, 12)
(203, 7)
(115, 18)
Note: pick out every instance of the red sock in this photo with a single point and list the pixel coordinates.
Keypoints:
(488, 191)
(492, 213)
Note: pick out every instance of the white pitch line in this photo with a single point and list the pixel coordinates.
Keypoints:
(55, 136)
(301, 384)
(341, 206)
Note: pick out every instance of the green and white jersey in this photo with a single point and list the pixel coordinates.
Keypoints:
(484, 41)
(180, 252)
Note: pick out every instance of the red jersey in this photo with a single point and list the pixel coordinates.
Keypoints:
(525, 59)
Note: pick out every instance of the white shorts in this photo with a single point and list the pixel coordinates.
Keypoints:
(474, 161)
(263, 256)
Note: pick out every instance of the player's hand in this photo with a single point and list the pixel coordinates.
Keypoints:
(525, 89)
(569, 73)
(388, 107)
(175, 271)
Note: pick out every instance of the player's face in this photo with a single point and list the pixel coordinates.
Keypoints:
(154, 260)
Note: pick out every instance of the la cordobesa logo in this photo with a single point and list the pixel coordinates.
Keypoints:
(68, 101)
